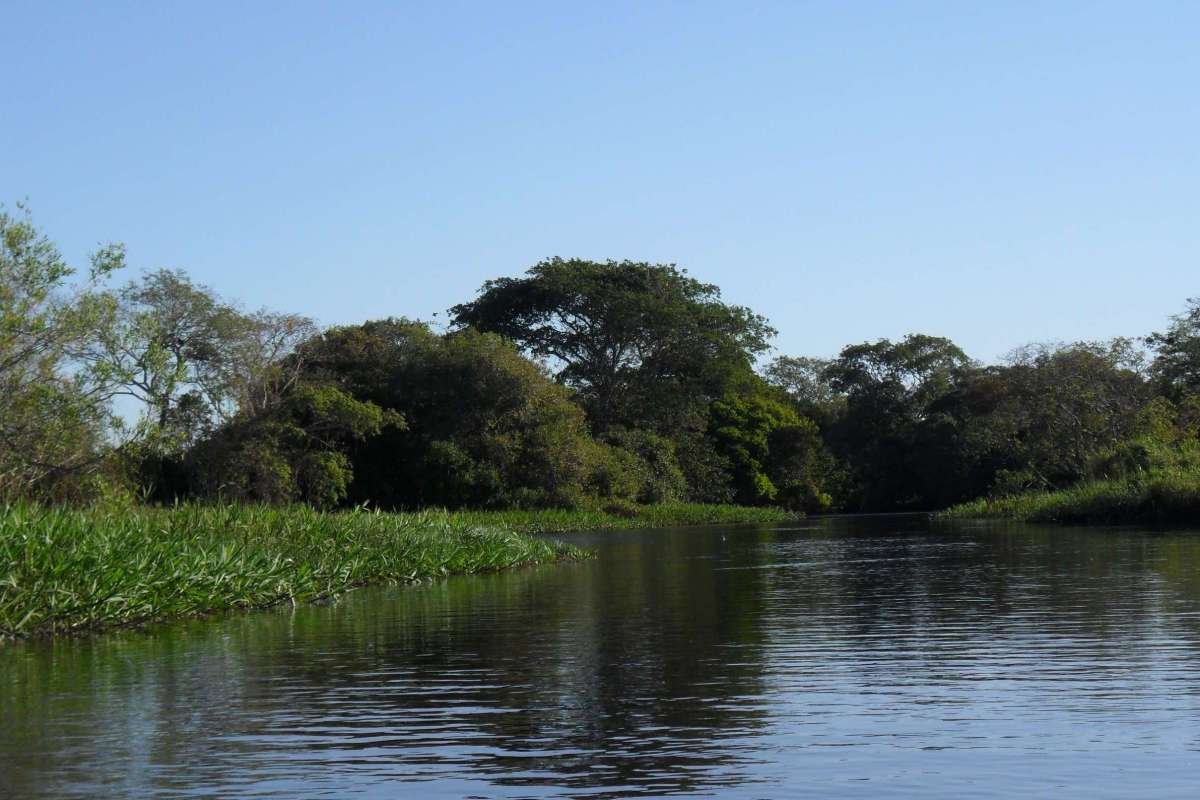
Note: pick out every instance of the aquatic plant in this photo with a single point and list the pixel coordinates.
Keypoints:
(64, 570)
(69, 570)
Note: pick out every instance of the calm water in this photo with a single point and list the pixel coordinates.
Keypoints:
(856, 657)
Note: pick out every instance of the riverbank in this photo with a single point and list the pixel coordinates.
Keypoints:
(656, 516)
(69, 571)
(1170, 497)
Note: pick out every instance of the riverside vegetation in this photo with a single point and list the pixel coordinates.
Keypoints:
(581, 393)
(1152, 477)
(72, 570)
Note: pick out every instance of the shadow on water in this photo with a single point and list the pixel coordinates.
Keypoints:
(845, 656)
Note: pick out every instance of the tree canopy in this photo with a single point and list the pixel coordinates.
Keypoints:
(641, 344)
(1176, 365)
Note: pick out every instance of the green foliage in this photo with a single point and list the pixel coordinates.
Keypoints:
(915, 424)
(486, 428)
(1062, 406)
(707, 471)
(1176, 366)
(613, 476)
(1165, 441)
(777, 456)
(891, 431)
(67, 571)
(1153, 476)
(643, 345)
(293, 451)
(642, 392)
(54, 415)
(652, 464)
(807, 384)
(742, 426)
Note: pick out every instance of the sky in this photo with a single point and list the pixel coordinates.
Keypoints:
(998, 173)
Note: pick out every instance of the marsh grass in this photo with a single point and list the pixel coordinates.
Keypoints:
(63, 571)
(655, 516)
(1171, 496)
(67, 571)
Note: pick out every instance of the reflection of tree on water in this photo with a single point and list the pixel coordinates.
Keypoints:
(918, 598)
(617, 672)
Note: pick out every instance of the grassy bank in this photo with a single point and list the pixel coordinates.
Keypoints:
(657, 516)
(65, 571)
(1172, 497)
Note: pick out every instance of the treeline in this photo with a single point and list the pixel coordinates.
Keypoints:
(579, 384)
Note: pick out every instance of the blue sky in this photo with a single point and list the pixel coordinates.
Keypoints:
(994, 172)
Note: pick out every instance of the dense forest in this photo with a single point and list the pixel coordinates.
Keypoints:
(578, 384)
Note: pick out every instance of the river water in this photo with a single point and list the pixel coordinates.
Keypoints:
(857, 657)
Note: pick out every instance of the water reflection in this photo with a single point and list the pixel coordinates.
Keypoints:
(855, 657)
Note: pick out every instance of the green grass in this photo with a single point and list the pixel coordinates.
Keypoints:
(63, 571)
(1165, 497)
(67, 571)
(656, 516)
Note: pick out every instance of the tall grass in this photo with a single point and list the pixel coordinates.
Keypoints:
(64, 571)
(1164, 497)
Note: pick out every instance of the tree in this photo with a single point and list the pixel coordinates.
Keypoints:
(777, 456)
(54, 416)
(193, 359)
(644, 345)
(486, 427)
(1061, 405)
(919, 368)
(1176, 365)
(892, 391)
(659, 478)
(294, 449)
(803, 379)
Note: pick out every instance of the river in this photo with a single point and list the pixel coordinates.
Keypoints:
(860, 657)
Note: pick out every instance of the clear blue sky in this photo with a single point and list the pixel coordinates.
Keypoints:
(993, 172)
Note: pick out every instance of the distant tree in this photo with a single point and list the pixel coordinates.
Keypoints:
(919, 368)
(644, 345)
(193, 359)
(1061, 405)
(804, 379)
(54, 415)
(1176, 365)
(892, 392)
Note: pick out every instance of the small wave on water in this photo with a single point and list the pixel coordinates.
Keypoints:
(874, 657)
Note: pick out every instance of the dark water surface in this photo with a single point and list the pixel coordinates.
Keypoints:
(853, 657)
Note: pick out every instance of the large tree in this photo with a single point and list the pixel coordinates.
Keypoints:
(884, 433)
(643, 345)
